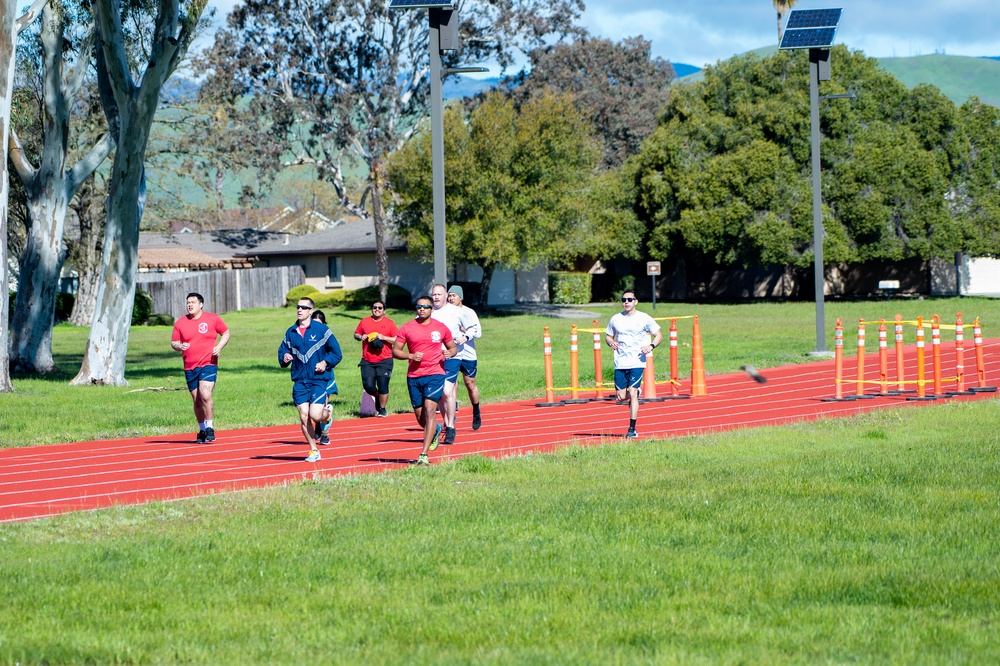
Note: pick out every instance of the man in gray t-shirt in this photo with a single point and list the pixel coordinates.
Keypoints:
(628, 333)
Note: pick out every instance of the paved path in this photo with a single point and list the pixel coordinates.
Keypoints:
(48, 480)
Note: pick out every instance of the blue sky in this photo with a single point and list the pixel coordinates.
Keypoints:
(700, 33)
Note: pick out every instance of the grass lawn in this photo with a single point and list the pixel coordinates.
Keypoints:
(254, 391)
(874, 539)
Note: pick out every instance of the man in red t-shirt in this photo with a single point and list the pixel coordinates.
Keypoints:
(195, 338)
(423, 338)
(376, 365)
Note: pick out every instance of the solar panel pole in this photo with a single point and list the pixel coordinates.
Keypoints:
(437, 148)
(818, 267)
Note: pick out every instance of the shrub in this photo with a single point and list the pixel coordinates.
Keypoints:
(159, 319)
(142, 307)
(569, 287)
(303, 290)
(329, 300)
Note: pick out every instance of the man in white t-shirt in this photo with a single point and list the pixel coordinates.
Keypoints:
(628, 333)
(449, 315)
(465, 362)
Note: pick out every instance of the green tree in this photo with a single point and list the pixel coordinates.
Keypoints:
(521, 188)
(975, 194)
(726, 177)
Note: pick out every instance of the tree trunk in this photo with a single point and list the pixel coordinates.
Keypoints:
(378, 216)
(484, 286)
(40, 266)
(87, 257)
(104, 356)
(8, 39)
(779, 27)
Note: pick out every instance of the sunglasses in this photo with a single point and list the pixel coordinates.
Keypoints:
(377, 307)
(424, 307)
(302, 307)
(627, 300)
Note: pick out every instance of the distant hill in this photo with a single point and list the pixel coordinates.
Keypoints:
(958, 77)
(456, 87)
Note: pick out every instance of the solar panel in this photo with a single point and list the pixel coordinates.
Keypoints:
(813, 18)
(422, 4)
(808, 38)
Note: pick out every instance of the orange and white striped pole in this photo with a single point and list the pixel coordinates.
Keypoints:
(598, 366)
(547, 352)
(574, 364)
(838, 355)
(883, 359)
(959, 353)
(936, 352)
(900, 377)
(649, 378)
(920, 358)
(977, 339)
(859, 389)
(674, 372)
(698, 387)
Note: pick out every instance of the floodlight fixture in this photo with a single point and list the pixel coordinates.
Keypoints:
(422, 4)
(448, 71)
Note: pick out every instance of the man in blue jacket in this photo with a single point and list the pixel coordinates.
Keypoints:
(312, 350)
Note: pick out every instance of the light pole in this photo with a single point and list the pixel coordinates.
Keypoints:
(814, 29)
(443, 36)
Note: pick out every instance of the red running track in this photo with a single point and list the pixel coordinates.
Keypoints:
(47, 480)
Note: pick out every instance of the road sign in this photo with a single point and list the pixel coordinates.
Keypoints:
(652, 268)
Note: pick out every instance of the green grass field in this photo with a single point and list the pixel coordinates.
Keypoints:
(864, 540)
(873, 539)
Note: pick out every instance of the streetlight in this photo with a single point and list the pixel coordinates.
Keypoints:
(814, 29)
(443, 19)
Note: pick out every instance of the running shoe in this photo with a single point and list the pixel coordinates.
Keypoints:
(202, 437)
(209, 434)
(477, 421)
(437, 438)
(631, 434)
(324, 439)
(423, 460)
(449, 436)
(382, 413)
(313, 456)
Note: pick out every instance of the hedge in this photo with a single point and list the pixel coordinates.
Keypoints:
(569, 287)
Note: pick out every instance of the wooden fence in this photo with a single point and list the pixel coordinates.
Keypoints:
(224, 290)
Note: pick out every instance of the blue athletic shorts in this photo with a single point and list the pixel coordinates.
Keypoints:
(452, 366)
(430, 387)
(628, 378)
(206, 373)
(311, 392)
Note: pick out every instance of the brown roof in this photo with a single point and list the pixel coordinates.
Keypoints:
(184, 257)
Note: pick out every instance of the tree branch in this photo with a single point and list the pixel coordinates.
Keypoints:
(23, 167)
(82, 170)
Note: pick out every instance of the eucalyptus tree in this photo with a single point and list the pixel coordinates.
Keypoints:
(339, 83)
(50, 186)
(10, 26)
(130, 102)
(619, 86)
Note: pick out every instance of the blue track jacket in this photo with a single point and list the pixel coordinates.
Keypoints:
(318, 344)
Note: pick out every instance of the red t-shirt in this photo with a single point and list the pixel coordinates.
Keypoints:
(426, 338)
(384, 326)
(201, 333)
